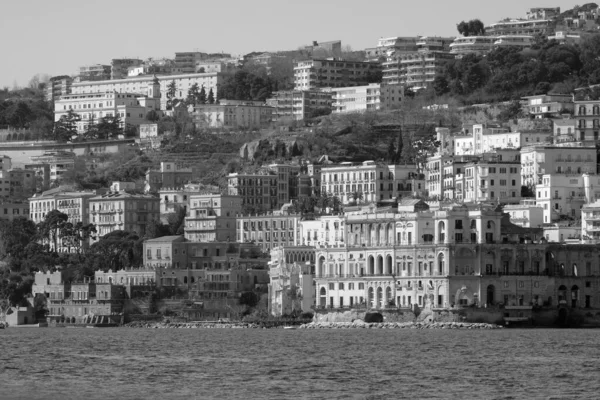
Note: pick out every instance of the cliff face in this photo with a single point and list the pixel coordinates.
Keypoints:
(248, 150)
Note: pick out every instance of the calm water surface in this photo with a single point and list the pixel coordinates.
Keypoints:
(280, 364)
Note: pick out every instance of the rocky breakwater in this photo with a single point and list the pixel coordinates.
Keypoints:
(398, 325)
(191, 325)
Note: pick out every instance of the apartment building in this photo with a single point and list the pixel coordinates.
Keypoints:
(564, 158)
(472, 45)
(370, 181)
(50, 166)
(538, 13)
(192, 61)
(489, 180)
(119, 67)
(58, 86)
(92, 107)
(526, 214)
(173, 199)
(73, 203)
(233, 114)
(272, 188)
(590, 222)
(96, 72)
(479, 139)
(587, 117)
(387, 46)
(269, 230)
(521, 41)
(520, 27)
(327, 230)
(311, 74)
(123, 211)
(372, 97)
(143, 85)
(299, 104)
(170, 174)
(17, 183)
(291, 273)
(415, 69)
(212, 217)
(13, 208)
(563, 195)
(548, 105)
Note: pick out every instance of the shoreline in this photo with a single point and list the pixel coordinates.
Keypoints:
(357, 324)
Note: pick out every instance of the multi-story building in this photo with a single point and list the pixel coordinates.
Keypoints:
(170, 174)
(563, 194)
(75, 204)
(50, 166)
(270, 230)
(96, 72)
(233, 114)
(548, 105)
(416, 69)
(527, 213)
(587, 117)
(521, 41)
(58, 86)
(299, 104)
(272, 188)
(451, 258)
(143, 84)
(212, 217)
(13, 208)
(327, 230)
(370, 181)
(92, 107)
(79, 302)
(120, 66)
(373, 97)
(332, 48)
(519, 27)
(564, 158)
(124, 211)
(489, 180)
(538, 13)
(590, 222)
(173, 199)
(472, 45)
(193, 62)
(387, 46)
(311, 74)
(291, 273)
(17, 183)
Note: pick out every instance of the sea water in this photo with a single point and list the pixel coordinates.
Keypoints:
(123, 363)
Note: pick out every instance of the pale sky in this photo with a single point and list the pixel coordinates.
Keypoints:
(56, 37)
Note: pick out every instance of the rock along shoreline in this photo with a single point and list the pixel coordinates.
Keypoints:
(398, 325)
(357, 324)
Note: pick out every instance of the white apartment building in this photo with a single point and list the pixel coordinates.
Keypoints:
(590, 222)
(526, 214)
(479, 138)
(233, 114)
(270, 230)
(328, 230)
(92, 107)
(142, 84)
(566, 158)
(563, 195)
(371, 181)
(312, 74)
(472, 45)
(416, 69)
(489, 181)
(372, 97)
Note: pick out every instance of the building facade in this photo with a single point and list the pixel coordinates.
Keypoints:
(311, 74)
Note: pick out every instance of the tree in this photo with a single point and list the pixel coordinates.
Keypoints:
(440, 85)
(399, 148)
(66, 127)
(472, 28)
(193, 95)
(392, 151)
(202, 96)
(211, 97)
(51, 227)
(171, 93)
